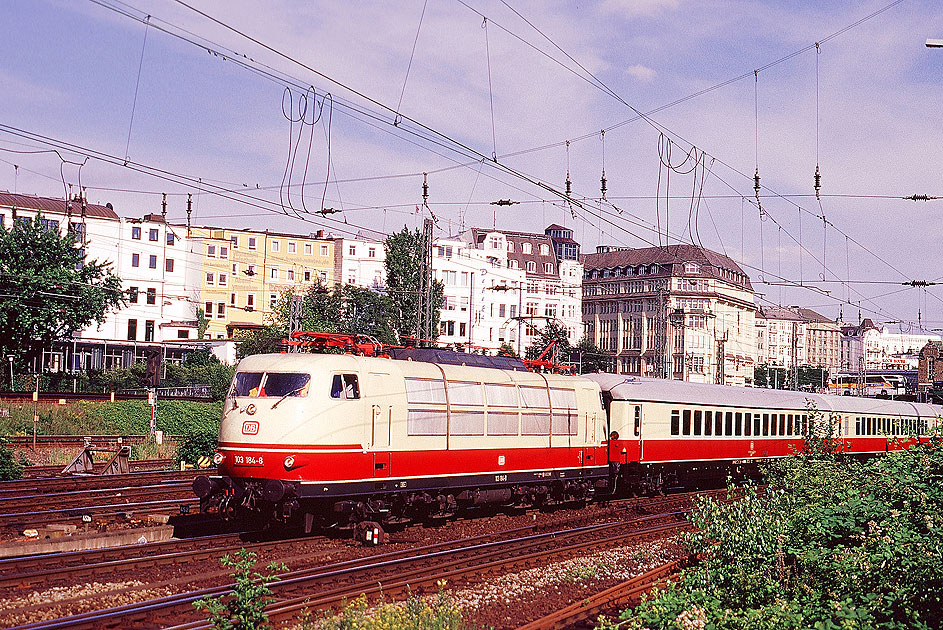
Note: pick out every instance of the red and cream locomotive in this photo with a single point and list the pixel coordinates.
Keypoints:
(332, 440)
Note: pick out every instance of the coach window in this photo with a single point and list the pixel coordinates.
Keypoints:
(286, 384)
(345, 387)
(857, 425)
(718, 423)
(756, 424)
(697, 422)
(728, 426)
(638, 420)
(773, 425)
(805, 425)
(765, 424)
(708, 420)
(686, 422)
(739, 423)
(789, 425)
(245, 383)
(782, 424)
(675, 422)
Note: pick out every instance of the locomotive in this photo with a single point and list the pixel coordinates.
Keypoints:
(337, 440)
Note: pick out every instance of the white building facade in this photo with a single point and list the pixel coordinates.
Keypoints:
(360, 262)
(868, 347)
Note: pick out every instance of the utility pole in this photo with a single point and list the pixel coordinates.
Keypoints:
(424, 316)
(721, 360)
(661, 333)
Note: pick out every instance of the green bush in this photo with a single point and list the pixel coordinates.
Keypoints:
(416, 613)
(9, 467)
(197, 444)
(244, 608)
(833, 543)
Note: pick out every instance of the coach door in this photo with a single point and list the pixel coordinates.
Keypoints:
(625, 420)
(380, 423)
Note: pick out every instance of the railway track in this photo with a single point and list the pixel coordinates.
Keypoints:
(325, 586)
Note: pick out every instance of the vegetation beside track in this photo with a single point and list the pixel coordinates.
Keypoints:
(126, 417)
(833, 543)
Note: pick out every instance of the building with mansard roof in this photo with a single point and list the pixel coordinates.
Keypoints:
(551, 288)
(679, 312)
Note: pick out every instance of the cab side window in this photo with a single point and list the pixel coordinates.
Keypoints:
(345, 387)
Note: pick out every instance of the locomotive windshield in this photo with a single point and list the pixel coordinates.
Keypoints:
(258, 384)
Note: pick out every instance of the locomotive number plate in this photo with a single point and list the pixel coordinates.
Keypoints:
(248, 460)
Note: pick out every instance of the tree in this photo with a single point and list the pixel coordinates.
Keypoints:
(201, 368)
(404, 261)
(49, 290)
(553, 331)
(262, 341)
(345, 309)
(590, 357)
(245, 606)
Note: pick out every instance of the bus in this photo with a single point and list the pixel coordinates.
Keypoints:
(874, 384)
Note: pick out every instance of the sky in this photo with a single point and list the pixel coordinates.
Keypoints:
(268, 113)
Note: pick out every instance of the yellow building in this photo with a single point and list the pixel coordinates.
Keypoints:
(244, 272)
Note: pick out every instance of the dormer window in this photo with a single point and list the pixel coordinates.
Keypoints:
(692, 268)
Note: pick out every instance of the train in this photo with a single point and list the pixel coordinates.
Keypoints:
(333, 441)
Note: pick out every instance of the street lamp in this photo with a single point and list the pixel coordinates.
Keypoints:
(10, 357)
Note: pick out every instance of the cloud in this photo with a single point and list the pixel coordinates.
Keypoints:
(640, 72)
(638, 8)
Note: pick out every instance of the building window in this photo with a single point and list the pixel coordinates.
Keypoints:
(133, 295)
(273, 273)
(171, 239)
(211, 251)
(527, 248)
(223, 280)
(234, 242)
(152, 296)
(510, 246)
(307, 276)
(136, 235)
(251, 242)
(169, 264)
(307, 249)
(223, 251)
(232, 300)
(548, 267)
(352, 250)
(276, 246)
(153, 235)
(250, 270)
(220, 310)
(235, 269)
(272, 300)
(250, 301)
(531, 266)
(372, 252)
(210, 278)
(149, 330)
(324, 250)
(152, 262)
(291, 247)
(544, 250)
(291, 274)
(208, 311)
(135, 260)
(132, 330)
(183, 334)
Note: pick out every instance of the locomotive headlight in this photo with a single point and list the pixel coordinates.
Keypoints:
(289, 462)
(218, 458)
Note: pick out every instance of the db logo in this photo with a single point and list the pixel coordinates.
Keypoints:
(250, 427)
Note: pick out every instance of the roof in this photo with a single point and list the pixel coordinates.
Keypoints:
(662, 390)
(670, 255)
(56, 205)
(794, 313)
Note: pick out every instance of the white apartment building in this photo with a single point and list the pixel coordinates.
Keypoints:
(151, 259)
(360, 262)
(796, 336)
(679, 312)
(868, 347)
(551, 285)
(482, 297)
